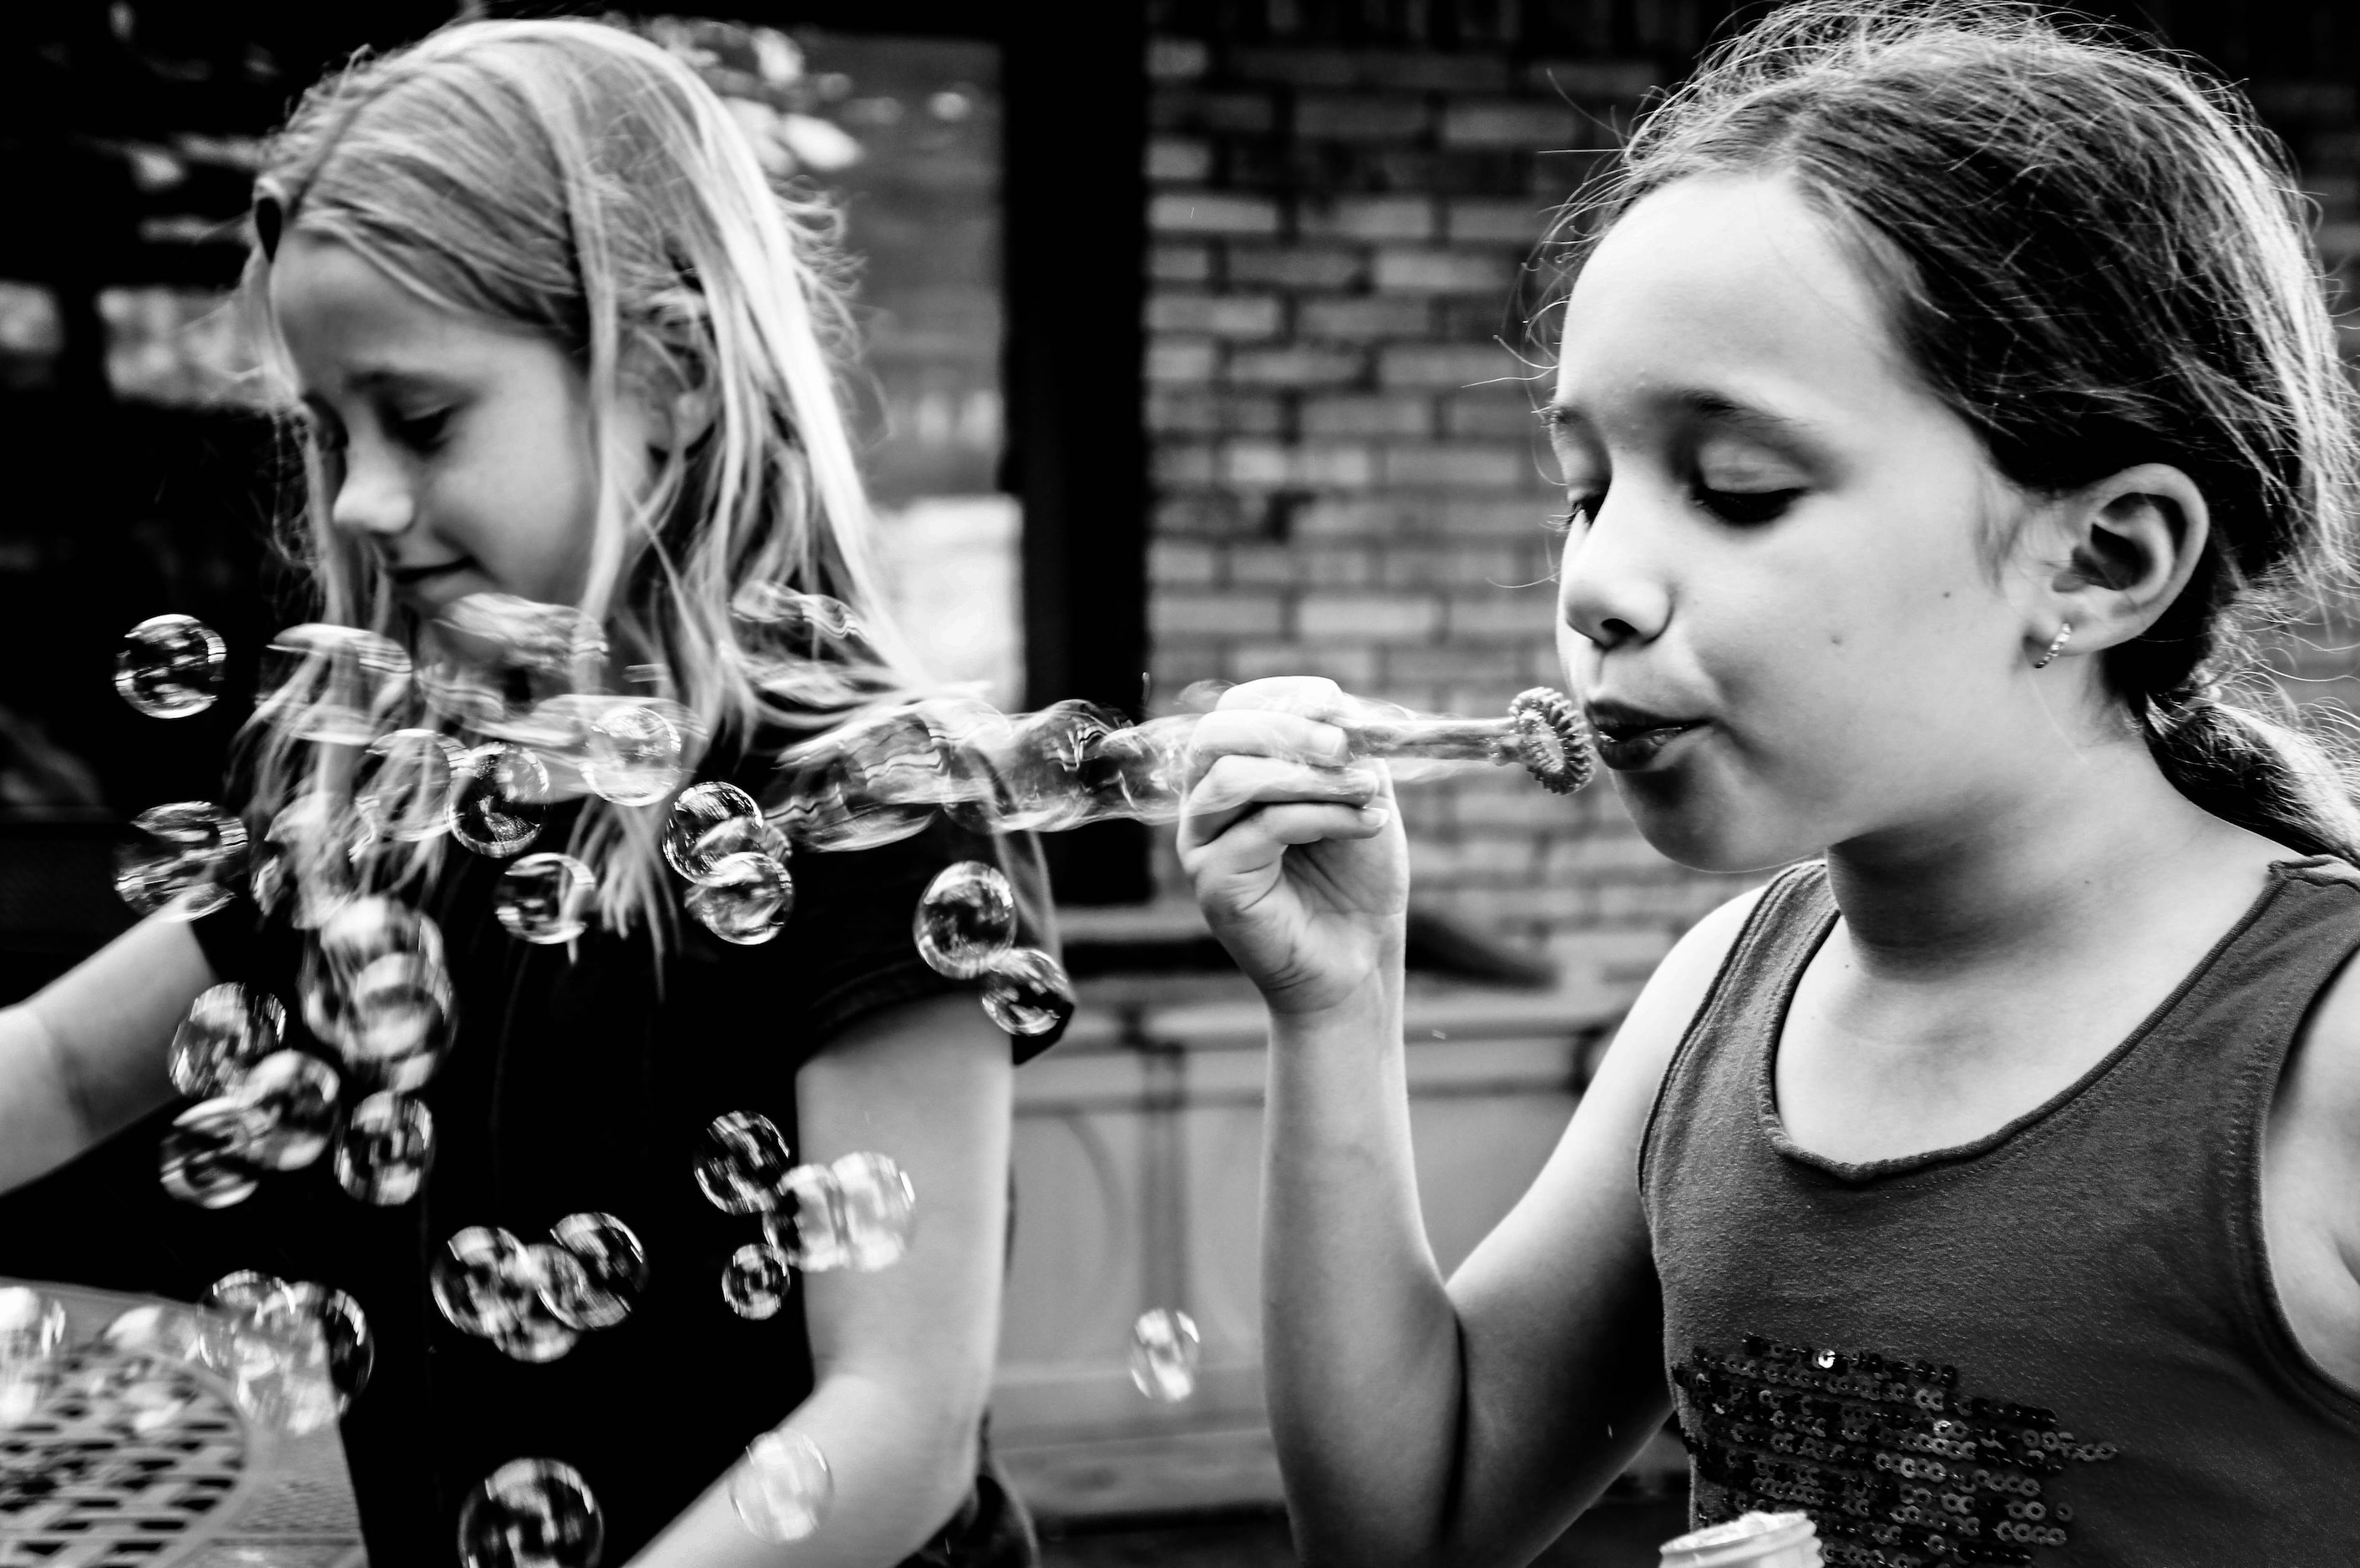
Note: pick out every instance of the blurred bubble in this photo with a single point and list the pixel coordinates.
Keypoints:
(812, 621)
(300, 1307)
(880, 1209)
(388, 1144)
(304, 857)
(754, 1281)
(502, 629)
(475, 1280)
(1041, 773)
(544, 1272)
(228, 1029)
(1026, 992)
(964, 920)
(172, 1334)
(332, 685)
(742, 1163)
(241, 1292)
(1139, 771)
(545, 898)
(614, 1271)
(532, 1513)
(398, 1023)
(745, 898)
(188, 855)
(828, 808)
(32, 1331)
(700, 810)
(293, 1097)
(634, 754)
(501, 796)
(405, 790)
(808, 1229)
(782, 1488)
(461, 696)
(169, 667)
(358, 934)
(1164, 1353)
(201, 1159)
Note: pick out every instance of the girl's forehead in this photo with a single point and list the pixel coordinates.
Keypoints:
(1731, 286)
(342, 314)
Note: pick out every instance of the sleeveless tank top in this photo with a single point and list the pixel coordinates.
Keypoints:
(2057, 1344)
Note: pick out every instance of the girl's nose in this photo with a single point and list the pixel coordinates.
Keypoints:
(372, 497)
(1610, 588)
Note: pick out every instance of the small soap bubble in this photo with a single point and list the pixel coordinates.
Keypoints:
(501, 796)
(359, 933)
(240, 1293)
(201, 1159)
(332, 685)
(388, 1144)
(782, 1488)
(745, 898)
(167, 1333)
(188, 855)
(808, 1229)
(228, 1029)
(545, 898)
(293, 1097)
(476, 1283)
(634, 754)
(612, 1276)
(1164, 1353)
(532, 1513)
(544, 1271)
(754, 1281)
(32, 1331)
(169, 667)
(405, 789)
(304, 854)
(1026, 992)
(700, 809)
(808, 620)
(397, 1023)
(881, 1209)
(502, 629)
(300, 1307)
(965, 918)
(742, 1162)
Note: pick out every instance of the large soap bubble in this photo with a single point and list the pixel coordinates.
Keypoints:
(634, 753)
(964, 920)
(228, 1029)
(807, 1230)
(500, 797)
(292, 1097)
(202, 1159)
(880, 1209)
(612, 1276)
(532, 1513)
(332, 685)
(298, 1306)
(754, 1281)
(782, 1488)
(189, 855)
(689, 845)
(1164, 1354)
(744, 898)
(387, 1146)
(742, 1163)
(404, 792)
(545, 898)
(475, 1281)
(1026, 992)
(169, 667)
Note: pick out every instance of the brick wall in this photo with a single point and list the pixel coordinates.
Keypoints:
(1344, 202)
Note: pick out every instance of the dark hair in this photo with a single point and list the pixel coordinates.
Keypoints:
(2098, 258)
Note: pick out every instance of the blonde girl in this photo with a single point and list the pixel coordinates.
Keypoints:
(552, 336)
(1946, 396)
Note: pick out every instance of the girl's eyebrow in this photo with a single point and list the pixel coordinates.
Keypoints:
(1696, 403)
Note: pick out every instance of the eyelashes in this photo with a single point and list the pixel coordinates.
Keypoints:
(1742, 508)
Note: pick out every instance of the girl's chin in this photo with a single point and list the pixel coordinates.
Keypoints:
(1703, 830)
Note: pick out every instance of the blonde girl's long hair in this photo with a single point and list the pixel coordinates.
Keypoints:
(573, 179)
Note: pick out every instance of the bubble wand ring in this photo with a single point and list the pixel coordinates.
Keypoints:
(1543, 731)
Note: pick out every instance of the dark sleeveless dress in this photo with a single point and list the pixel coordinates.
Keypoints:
(2057, 1344)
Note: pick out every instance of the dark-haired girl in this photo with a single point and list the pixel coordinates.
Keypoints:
(1945, 400)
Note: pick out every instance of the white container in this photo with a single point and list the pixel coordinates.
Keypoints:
(1755, 1540)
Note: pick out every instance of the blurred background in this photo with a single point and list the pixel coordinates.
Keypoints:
(1196, 345)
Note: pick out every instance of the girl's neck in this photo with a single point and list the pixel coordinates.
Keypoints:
(2103, 837)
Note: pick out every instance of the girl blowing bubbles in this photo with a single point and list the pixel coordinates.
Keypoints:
(1942, 397)
(553, 338)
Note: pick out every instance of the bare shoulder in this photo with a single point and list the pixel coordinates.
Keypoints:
(2311, 1165)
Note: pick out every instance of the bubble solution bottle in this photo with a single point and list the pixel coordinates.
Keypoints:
(1753, 1540)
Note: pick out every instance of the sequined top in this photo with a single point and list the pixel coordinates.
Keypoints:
(576, 1084)
(2057, 1344)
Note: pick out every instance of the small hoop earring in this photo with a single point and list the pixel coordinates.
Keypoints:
(2063, 632)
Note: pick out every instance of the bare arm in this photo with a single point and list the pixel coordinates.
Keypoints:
(84, 1058)
(903, 1357)
(1417, 1421)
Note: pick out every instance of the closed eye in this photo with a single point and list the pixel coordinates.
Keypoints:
(1580, 511)
(420, 432)
(1746, 506)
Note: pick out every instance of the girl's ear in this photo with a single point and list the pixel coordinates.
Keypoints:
(682, 419)
(2134, 538)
